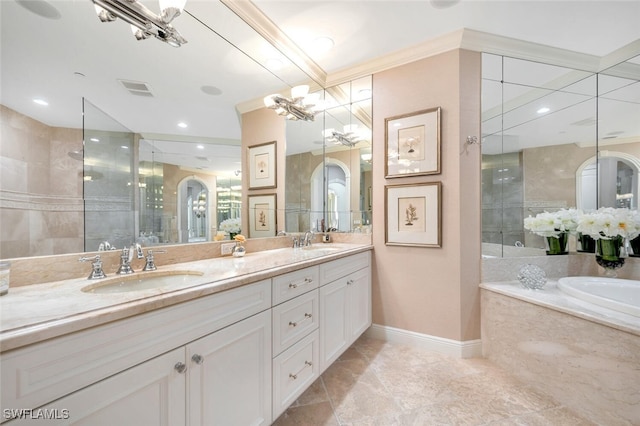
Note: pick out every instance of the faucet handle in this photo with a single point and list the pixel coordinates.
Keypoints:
(150, 264)
(96, 267)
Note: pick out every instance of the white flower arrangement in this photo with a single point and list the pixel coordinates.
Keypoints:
(608, 222)
(552, 224)
(231, 226)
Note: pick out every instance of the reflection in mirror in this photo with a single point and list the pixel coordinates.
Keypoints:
(109, 177)
(149, 89)
(618, 137)
(538, 126)
(543, 129)
(328, 173)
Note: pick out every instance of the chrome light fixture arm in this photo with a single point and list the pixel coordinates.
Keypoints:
(139, 16)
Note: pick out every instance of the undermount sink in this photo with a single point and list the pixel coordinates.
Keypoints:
(142, 281)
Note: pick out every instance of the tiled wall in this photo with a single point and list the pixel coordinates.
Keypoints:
(41, 207)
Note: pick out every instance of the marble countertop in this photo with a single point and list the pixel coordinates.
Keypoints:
(38, 312)
(550, 296)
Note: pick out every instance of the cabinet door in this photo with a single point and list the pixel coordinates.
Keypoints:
(334, 327)
(359, 293)
(151, 393)
(229, 376)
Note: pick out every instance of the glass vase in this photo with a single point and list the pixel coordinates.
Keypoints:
(635, 247)
(557, 245)
(586, 244)
(608, 254)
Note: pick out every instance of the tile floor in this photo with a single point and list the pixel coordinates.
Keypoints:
(381, 384)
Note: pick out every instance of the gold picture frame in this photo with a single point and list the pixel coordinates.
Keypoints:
(413, 214)
(412, 144)
(262, 216)
(262, 166)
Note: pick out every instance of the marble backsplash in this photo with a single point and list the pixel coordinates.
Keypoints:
(500, 269)
(42, 269)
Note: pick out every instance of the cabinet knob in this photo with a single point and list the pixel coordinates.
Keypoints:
(180, 367)
(198, 359)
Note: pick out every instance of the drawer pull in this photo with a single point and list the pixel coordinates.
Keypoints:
(349, 282)
(298, 284)
(295, 324)
(198, 359)
(295, 376)
(180, 367)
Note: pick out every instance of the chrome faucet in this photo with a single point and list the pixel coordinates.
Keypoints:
(96, 267)
(308, 236)
(150, 264)
(127, 256)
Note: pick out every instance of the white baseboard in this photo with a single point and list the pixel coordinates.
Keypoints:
(466, 349)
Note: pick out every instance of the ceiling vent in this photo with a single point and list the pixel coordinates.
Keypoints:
(137, 88)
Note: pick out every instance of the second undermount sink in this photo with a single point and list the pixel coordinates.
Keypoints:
(142, 281)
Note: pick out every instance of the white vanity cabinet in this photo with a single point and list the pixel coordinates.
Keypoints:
(237, 357)
(115, 371)
(345, 304)
(229, 375)
(296, 344)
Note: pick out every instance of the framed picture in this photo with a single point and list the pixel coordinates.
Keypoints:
(413, 214)
(262, 166)
(412, 144)
(262, 216)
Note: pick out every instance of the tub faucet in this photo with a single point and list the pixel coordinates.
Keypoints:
(127, 256)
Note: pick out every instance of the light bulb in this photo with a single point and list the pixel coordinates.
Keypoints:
(299, 92)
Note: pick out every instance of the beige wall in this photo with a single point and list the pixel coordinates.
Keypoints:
(258, 127)
(41, 210)
(433, 291)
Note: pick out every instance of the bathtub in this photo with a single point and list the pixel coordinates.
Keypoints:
(613, 293)
(572, 341)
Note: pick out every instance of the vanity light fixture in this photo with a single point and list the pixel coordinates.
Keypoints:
(299, 107)
(144, 23)
(347, 138)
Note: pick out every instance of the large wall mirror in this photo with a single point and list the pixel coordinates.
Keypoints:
(105, 161)
(328, 170)
(553, 138)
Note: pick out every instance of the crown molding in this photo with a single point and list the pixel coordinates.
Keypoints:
(256, 19)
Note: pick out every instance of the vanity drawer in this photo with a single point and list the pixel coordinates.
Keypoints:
(39, 373)
(294, 371)
(294, 284)
(293, 320)
(339, 268)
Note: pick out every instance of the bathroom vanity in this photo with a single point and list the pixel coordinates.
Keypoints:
(236, 350)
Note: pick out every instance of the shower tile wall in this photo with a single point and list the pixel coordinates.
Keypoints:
(41, 208)
(502, 200)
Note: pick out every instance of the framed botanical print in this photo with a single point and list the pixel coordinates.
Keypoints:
(412, 144)
(262, 166)
(413, 214)
(262, 216)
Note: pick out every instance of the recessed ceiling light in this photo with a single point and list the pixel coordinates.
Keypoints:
(211, 90)
(322, 44)
(200, 146)
(543, 110)
(182, 125)
(41, 102)
(40, 8)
